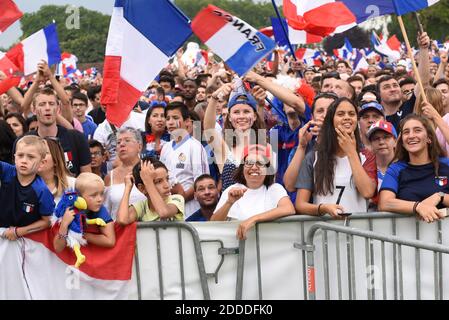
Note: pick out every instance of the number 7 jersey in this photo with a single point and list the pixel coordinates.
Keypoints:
(345, 191)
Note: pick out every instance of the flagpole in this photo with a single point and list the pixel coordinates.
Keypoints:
(410, 54)
(283, 29)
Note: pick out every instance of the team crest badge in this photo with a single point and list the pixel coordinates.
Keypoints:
(28, 207)
(441, 181)
(182, 157)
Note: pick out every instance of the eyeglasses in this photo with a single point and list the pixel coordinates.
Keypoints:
(251, 163)
(126, 141)
(96, 154)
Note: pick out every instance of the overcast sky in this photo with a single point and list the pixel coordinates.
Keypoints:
(105, 6)
(13, 33)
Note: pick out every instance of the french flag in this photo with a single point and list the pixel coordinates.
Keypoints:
(309, 56)
(382, 47)
(346, 52)
(406, 6)
(325, 17)
(68, 64)
(143, 35)
(11, 71)
(42, 45)
(9, 13)
(295, 36)
(32, 270)
(232, 39)
(359, 62)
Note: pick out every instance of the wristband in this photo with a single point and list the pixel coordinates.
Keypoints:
(415, 206)
(15, 233)
(319, 207)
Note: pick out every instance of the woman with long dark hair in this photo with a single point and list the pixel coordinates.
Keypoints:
(155, 135)
(417, 180)
(339, 177)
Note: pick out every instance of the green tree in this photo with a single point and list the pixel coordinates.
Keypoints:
(87, 43)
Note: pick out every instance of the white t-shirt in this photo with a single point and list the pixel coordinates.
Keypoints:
(254, 201)
(345, 190)
(185, 162)
(108, 139)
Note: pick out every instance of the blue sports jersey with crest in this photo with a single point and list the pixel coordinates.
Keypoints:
(416, 183)
(22, 205)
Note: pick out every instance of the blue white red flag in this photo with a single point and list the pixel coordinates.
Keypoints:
(240, 45)
(325, 17)
(143, 35)
(295, 36)
(42, 45)
(382, 47)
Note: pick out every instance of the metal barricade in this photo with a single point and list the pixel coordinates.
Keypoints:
(310, 249)
(157, 226)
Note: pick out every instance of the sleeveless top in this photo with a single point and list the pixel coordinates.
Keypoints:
(114, 194)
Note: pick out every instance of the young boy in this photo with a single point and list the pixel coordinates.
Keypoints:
(97, 152)
(184, 156)
(91, 188)
(151, 178)
(27, 204)
(79, 106)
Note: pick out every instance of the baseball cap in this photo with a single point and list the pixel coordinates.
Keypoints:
(383, 126)
(371, 106)
(243, 98)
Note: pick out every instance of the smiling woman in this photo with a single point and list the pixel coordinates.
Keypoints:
(417, 181)
(340, 176)
(255, 197)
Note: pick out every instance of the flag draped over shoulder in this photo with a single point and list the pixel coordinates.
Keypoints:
(42, 45)
(240, 45)
(325, 17)
(143, 35)
(30, 268)
(9, 13)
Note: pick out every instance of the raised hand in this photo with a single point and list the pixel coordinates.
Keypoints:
(235, 194)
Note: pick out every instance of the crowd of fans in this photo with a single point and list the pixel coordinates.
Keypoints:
(204, 145)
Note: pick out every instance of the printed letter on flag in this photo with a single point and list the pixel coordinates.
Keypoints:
(240, 45)
(143, 35)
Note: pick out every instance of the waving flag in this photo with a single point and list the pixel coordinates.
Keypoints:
(31, 269)
(143, 35)
(9, 13)
(42, 45)
(359, 62)
(406, 6)
(382, 47)
(232, 39)
(309, 56)
(346, 52)
(68, 64)
(325, 17)
(295, 36)
(11, 71)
